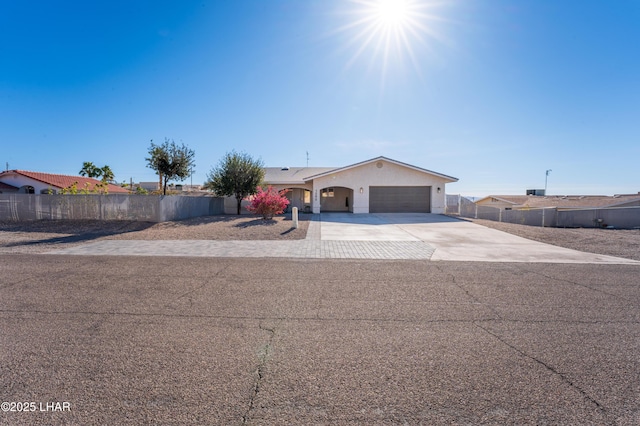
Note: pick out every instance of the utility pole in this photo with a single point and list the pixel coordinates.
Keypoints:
(307, 158)
(545, 181)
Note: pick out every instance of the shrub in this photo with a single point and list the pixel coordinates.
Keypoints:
(269, 202)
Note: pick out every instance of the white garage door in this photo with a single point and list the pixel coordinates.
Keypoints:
(400, 199)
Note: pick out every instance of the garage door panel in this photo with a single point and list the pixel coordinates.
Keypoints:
(400, 199)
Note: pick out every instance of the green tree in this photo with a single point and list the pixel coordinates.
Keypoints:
(237, 175)
(170, 161)
(91, 170)
(107, 174)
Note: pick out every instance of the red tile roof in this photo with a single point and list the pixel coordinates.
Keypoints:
(65, 181)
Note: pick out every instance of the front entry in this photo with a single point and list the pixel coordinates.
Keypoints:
(336, 199)
(300, 198)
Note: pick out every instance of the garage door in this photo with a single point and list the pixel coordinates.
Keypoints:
(400, 199)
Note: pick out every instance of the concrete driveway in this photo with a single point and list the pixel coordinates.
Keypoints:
(453, 239)
(366, 236)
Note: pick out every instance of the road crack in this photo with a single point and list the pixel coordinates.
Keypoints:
(194, 290)
(260, 371)
(471, 296)
(539, 273)
(548, 367)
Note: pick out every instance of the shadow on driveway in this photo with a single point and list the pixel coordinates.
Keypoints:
(385, 218)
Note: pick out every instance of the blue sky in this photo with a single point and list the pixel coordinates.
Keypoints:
(493, 92)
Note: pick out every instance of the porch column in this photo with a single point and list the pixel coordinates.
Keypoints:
(315, 199)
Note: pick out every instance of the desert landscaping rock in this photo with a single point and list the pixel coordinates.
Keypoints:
(41, 236)
(612, 242)
(47, 236)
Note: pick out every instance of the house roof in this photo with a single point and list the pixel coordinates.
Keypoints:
(291, 175)
(64, 181)
(362, 163)
(565, 201)
(300, 175)
(515, 200)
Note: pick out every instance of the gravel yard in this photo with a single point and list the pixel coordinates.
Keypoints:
(613, 242)
(41, 236)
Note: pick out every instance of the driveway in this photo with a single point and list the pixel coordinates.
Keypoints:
(452, 239)
(365, 236)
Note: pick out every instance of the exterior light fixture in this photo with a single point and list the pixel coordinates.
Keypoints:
(439, 190)
(361, 190)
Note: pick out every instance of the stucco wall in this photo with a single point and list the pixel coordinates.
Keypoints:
(390, 174)
(149, 208)
(624, 218)
(231, 206)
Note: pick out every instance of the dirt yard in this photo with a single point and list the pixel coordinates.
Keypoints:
(613, 242)
(41, 236)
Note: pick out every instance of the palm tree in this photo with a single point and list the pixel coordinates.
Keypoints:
(89, 169)
(107, 174)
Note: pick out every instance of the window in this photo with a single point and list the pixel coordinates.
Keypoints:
(307, 197)
(327, 192)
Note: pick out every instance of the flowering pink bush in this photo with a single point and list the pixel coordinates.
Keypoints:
(269, 202)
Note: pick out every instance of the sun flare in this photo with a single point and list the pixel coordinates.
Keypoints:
(392, 12)
(391, 29)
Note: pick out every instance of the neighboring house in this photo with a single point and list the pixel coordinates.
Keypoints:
(155, 186)
(523, 202)
(379, 185)
(26, 182)
(8, 189)
(150, 186)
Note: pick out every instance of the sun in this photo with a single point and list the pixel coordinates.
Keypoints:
(391, 30)
(391, 13)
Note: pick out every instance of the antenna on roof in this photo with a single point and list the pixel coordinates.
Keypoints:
(307, 158)
(7, 166)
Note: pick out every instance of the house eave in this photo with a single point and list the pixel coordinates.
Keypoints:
(449, 179)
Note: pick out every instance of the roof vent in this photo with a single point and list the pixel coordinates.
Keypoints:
(285, 168)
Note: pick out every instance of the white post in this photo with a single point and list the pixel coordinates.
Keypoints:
(294, 217)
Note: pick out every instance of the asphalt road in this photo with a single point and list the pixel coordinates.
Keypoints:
(254, 341)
